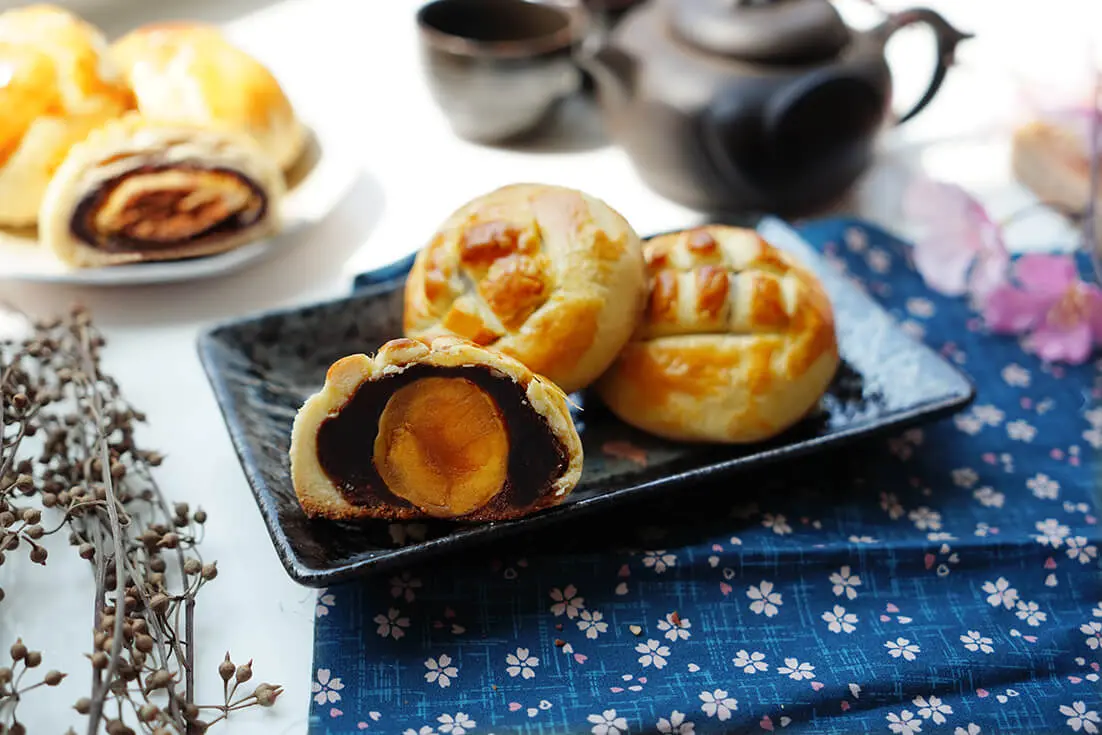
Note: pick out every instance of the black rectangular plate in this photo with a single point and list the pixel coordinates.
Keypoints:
(263, 367)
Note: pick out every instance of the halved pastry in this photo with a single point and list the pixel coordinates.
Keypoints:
(546, 274)
(138, 190)
(190, 72)
(737, 345)
(55, 86)
(445, 429)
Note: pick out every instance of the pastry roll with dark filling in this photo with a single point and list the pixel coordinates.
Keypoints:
(138, 190)
(56, 85)
(190, 72)
(442, 429)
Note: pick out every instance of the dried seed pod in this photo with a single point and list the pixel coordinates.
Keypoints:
(18, 650)
(83, 705)
(53, 678)
(226, 669)
(452, 430)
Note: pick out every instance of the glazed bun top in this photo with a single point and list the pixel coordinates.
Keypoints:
(728, 280)
(548, 275)
(191, 72)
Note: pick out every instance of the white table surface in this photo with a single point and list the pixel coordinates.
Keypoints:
(352, 65)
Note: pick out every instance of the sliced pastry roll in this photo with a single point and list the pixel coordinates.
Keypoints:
(55, 86)
(442, 429)
(137, 190)
(190, 72)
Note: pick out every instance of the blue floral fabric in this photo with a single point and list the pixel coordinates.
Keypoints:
(945, 580)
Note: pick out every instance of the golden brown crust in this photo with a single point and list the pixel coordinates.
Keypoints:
(738, 343)
(177, 180)
(320, 498)
(61, 86)
(545, 274)
(190, 72)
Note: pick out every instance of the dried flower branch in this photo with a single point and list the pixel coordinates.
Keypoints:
(68, 454)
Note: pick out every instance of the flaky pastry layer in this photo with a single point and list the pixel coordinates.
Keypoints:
(316, 491)
(737, 344)
(138, 190)
(548, 275)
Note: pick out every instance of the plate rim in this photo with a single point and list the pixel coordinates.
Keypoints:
(381, 280)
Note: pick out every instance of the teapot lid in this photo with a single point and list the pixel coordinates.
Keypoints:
(776, 31)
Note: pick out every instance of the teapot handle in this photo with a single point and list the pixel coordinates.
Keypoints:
(947, 37)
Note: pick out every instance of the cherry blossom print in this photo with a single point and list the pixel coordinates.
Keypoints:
(932, 709)
(777, 523)
(1050, 532)
(989, 415)
(1030, 612)
(401, 533)
(1043, 487)
(566, 601)
(326, 688)
(969, 423)
(1000, 592)
(765, 600)
(326, 600)
(795, 669)
(521, 663)
(902, 648)
(920, 307)
(973, 641)
(840, 621)
(675, 627)
(1097, 610)
(392, 624)
(424, 730)
(904, 723)
(845, 583)
(1079, 550)
(1021, 431)
(457, 724)
(989, 497)
(889, 503)
(1016, 376)
(965, 477)
(718, 704)
(925, 519)
(654, 654)
(856, 240)
(1093, 632)
(608, 723)
(592, 623)
(1081, 718)
(440, 670)
(404, 586)
(675, 725)
(659, 560)
(970, 729)
(750, 663)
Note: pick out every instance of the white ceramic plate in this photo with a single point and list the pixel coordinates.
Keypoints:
(317, 183)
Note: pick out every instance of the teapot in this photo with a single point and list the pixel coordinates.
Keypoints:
(752, 105)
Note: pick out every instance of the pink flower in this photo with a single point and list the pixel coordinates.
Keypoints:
(960, 250)
(1061, 313)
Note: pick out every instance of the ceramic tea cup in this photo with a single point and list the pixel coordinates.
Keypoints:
(498, 68)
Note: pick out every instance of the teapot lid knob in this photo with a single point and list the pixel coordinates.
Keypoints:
(778, 31)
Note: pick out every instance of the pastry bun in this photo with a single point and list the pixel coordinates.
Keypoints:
(548, 275)
(57, 86)
(737, 344)
(137, 190)
(190, 72)
(441, 429)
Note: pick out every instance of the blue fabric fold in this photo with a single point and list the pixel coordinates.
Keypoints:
(946, 580)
